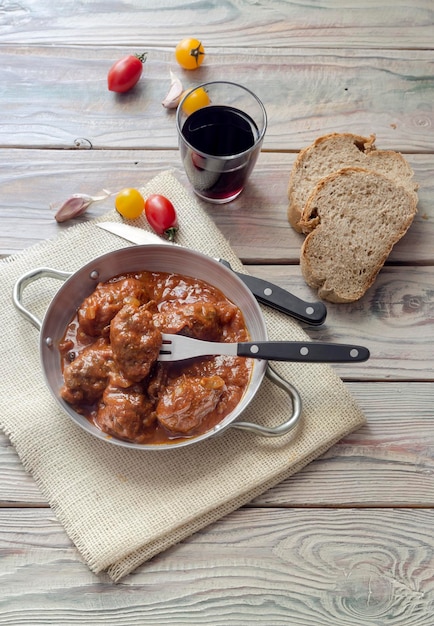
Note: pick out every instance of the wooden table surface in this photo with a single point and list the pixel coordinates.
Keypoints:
(349, 540)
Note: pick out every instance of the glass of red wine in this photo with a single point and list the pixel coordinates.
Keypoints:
(221, 126)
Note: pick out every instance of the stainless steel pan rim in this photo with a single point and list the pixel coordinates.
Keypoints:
(154, 257)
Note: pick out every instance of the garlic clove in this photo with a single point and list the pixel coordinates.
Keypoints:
(174, 94)
(73, 207)
(76, 205)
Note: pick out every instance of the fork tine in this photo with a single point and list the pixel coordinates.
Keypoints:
(178, 348)
(166, 349)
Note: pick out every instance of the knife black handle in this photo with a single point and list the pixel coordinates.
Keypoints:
(313, 313)
(303, 352)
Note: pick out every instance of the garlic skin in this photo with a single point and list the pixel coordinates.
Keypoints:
(76, 205)
(174, 94)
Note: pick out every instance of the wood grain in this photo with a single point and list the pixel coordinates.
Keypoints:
(303, 567)
(348, 540)
(387, 462)
(255, 224)
(306, 93)
(394, 320)
(232, 23)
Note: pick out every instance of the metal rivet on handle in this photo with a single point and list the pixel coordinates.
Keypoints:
(304, 351)
(254, 349)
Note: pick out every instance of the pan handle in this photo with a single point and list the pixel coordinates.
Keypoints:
(27, 279)
(286, 426)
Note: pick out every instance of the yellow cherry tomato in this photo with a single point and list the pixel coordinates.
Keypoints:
(189, 53)
(196, 100)
(130, 203)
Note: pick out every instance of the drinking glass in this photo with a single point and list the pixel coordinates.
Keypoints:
(221, 127)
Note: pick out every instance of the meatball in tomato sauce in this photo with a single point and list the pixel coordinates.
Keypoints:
(110, 358)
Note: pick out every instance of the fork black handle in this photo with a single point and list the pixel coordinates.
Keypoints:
(303, 352)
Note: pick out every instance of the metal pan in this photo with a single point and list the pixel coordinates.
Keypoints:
(79, 285)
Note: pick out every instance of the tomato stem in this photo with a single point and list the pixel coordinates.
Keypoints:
(170, 233)
(141, 57)
(196, 52)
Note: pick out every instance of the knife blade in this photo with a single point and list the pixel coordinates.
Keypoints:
(313, 313)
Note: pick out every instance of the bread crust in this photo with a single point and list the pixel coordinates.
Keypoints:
(333, 152)
(354, 218)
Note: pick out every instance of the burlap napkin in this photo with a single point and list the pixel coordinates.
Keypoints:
(121, 507)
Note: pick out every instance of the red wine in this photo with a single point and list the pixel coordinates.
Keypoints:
(226, 135)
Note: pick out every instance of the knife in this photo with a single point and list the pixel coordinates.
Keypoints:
(313, 313)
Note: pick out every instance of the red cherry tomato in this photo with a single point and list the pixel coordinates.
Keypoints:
(161, 216)
(125, 73)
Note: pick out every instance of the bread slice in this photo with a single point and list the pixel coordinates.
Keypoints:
(333, 152)
(355, 217)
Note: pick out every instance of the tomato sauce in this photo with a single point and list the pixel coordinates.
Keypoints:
(110, 365)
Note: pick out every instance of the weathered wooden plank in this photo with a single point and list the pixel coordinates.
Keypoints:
(388, 462)
(394, 320)
(255, 224)
(275, 561)
(29, 190)
(232, 23)
(306, 93)
(16, 485)
(277, 567)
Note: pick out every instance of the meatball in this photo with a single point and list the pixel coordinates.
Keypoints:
(135, 340)
(87, 376)
(97, 310)
(187, 400)
(200, 320)
(157, 381)
(125, 413)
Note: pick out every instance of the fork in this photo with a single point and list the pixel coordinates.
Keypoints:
(178, 348)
